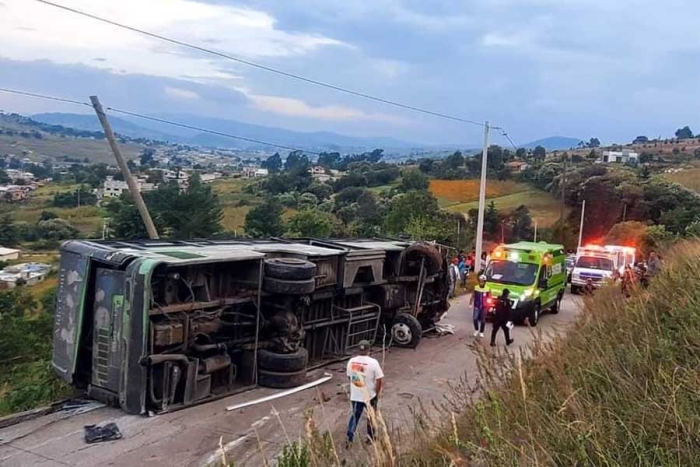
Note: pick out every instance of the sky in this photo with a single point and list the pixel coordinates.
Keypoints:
(537, 68)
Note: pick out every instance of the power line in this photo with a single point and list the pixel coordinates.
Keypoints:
(43, 96)
(504, 134)
(160, 120)
(259, 66)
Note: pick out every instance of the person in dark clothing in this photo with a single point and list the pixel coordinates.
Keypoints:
(501, 318)
(588, 289)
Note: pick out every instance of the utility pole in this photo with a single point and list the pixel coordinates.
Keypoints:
(458, 239)
(482, 197)
(563, 197)
(580, 229)
(133, 187)
(535, 239)
(624, 212)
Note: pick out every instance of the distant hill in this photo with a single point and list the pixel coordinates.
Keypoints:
(137, 128)
(554, 143)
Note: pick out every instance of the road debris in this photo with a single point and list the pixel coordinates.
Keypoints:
(98, 434)
(288, 392)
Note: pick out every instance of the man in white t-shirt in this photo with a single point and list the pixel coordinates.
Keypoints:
(366, 378)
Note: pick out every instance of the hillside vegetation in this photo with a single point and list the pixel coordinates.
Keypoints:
(689, 178)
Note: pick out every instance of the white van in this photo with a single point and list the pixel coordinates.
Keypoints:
(593, 263)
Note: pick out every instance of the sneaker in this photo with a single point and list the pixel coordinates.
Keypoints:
(510, 341)
(348, 444)
(492, 344)
(481, 334)
(476, 333)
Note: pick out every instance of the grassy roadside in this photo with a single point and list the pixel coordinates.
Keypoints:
(620, 389)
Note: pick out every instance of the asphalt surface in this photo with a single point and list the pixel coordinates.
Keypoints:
(191, 437)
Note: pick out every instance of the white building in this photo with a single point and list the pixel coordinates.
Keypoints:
(112, 188)
(622, 157)
(210, 177)
(9, 254)
(29, 273)
(16, 175)
(255, 172)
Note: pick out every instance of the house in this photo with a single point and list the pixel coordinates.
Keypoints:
(319, 173)
(517, 166)
(9, 254)
(254, 172)
(28, 273)
(112, 188)
(622, 157)
(13, 193)
(210, 177)
(16, 175)
(179, 176)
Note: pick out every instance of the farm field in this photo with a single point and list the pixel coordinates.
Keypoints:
(688, 178)
(463, 195)
(55, 147)
(87, 219)
(235, 202)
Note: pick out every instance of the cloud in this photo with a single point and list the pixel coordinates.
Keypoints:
(291, 107)
(38, 32)
(180, 93)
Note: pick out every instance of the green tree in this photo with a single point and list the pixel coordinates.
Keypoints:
(265, 220)
(593, 143)
(310, 223)
(297, 161)
(56, 229)
(539, 153)
(273, 163)
(521, 224)
(322, 191)
(413, 180)
(329, 160)
(405, 208)
(684, 133)
(9, 235)
(492, 220)
(194, 213)
(147, 156)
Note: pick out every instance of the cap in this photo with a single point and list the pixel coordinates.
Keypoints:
(482, 278)
(365, 344)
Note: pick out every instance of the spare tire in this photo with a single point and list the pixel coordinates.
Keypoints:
(285, 287)
(292, 269)
(281, 380)
(284, 362)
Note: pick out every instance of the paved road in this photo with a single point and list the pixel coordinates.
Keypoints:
(191, 437)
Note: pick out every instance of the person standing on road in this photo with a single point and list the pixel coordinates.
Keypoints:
(455, 277)
(501, 318)
(653, 264)
(366, 377)
(480, 301)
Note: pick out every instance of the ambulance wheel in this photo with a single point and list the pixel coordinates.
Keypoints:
(534, 317)
(557, 305)
(406, 331)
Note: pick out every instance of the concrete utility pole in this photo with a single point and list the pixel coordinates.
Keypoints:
(563, 198)
(133, 187)
(482, 198)
(535, 239)
(580, 229)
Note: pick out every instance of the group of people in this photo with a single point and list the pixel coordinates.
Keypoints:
(462, 265)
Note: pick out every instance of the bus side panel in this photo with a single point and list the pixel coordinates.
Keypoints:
(70, 300)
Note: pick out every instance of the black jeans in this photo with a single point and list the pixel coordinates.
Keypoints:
(356, 415)
(494, 332)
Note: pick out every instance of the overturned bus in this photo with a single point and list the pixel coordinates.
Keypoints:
(154, 325)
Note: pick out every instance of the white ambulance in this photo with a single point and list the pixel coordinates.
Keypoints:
(600, 265)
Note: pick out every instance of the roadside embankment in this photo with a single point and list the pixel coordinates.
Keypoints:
(622, 388)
